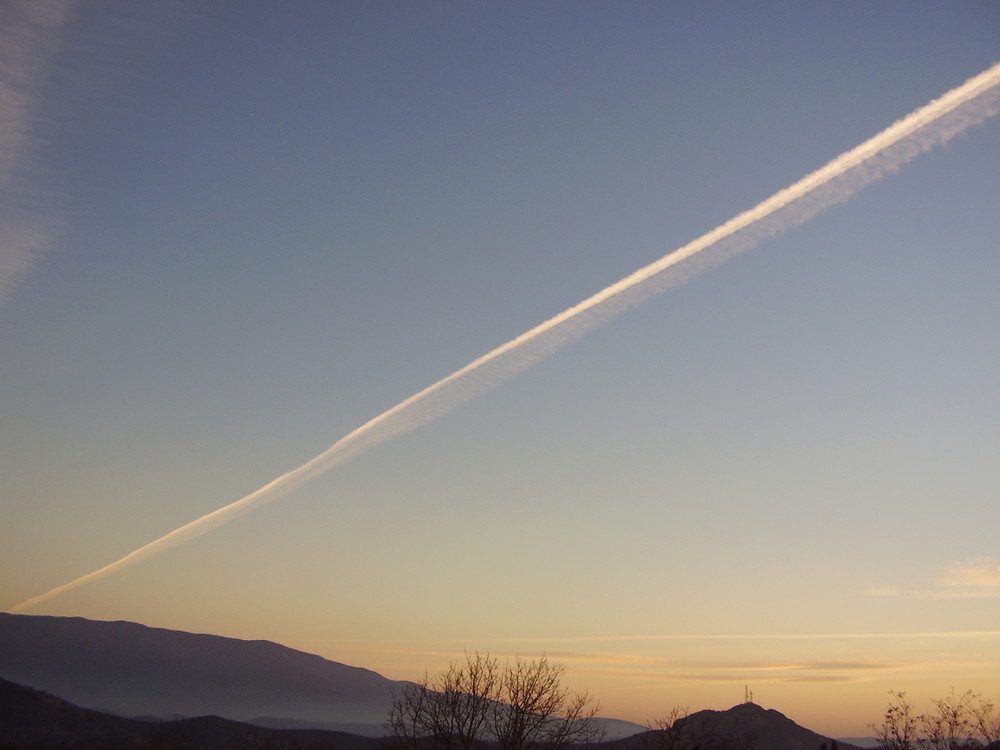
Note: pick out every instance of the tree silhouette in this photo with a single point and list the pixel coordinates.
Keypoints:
(519, 705)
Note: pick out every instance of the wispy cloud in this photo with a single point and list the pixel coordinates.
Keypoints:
(30, 33)
(758, 636)
(972, 578)
(841, 666)
(645, 669)
(956, 593)
(978, 572)
(634, 670)
(756, 672)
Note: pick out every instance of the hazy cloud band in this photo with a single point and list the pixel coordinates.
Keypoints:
(969, 104)
(30, 34)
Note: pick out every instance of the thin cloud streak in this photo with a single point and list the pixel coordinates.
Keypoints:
(967, 594)
(757, 680)
(737, 676)
(968, 105)
(758, 636)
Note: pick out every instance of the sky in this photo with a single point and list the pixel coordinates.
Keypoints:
(234, 232)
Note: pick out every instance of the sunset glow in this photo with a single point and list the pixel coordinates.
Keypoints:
(237, 239)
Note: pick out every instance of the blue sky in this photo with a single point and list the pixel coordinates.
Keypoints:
(257, 226)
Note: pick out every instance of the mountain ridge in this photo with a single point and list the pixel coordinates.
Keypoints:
(131, 669)
(128, 669)
(36, 720)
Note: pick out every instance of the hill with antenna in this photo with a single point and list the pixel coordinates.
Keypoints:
(743, 727)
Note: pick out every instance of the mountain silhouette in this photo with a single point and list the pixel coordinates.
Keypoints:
(133, 670)
(127, 669)
(743, 727)
(33, 720)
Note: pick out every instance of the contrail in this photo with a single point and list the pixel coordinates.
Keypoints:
(970, 104)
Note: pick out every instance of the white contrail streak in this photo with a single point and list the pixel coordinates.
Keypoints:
(969, 104)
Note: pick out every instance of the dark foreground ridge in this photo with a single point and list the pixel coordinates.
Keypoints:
(33, 720)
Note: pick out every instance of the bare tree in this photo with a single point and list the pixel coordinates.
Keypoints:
(468, 694)
(898, 730)
(987, 720)
(520, 705)
(952, 723)
(410, 720)
(450, 711)
(534, 709)
(957, 722)
(576, 723)
(666, 733)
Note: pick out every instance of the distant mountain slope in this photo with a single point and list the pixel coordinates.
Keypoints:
(131, 669)
(31, 718)
(746, 726)
(39, 721)
(863, 742)
(615, 729)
